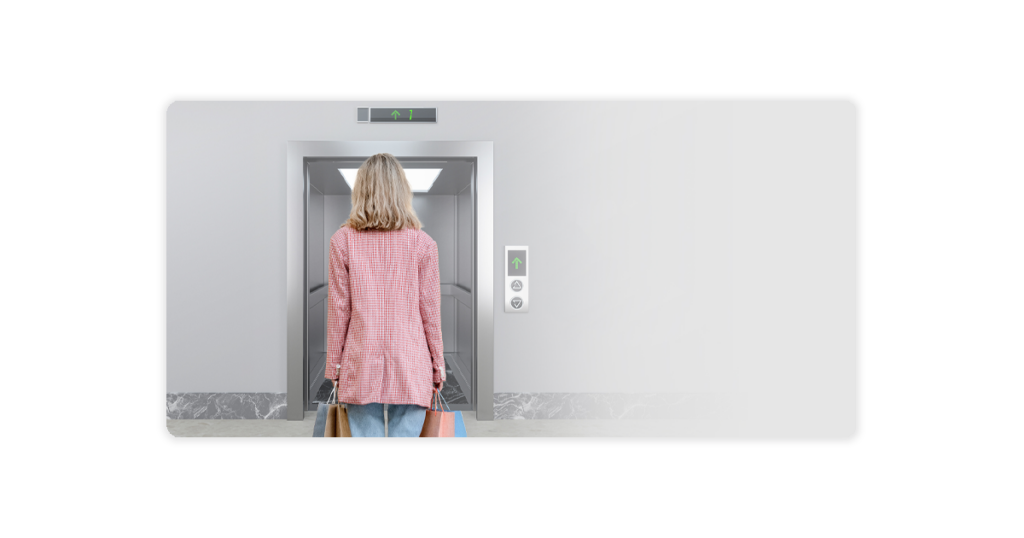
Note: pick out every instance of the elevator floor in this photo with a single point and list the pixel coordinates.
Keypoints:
(451, 391)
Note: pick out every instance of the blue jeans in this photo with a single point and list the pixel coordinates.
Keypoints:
(404, 420)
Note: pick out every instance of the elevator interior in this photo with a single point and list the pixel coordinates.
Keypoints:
(445, 208)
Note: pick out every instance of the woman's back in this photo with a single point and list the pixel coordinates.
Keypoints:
(384, 326)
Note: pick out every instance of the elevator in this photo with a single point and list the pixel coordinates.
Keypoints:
(444, 198)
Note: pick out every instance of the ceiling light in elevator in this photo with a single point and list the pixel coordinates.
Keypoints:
(420, 179)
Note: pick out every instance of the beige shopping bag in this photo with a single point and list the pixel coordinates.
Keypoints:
(337, 422)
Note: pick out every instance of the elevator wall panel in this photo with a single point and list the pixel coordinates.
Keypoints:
(464, 334)
(448, 323)
(437, 216)
(317, 328)
(316, 274)
(464, 218)
(318, 364)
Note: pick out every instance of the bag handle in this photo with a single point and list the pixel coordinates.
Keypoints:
(334, 391)
(438, 400)
(439, 395)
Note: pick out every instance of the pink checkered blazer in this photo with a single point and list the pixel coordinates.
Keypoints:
(384, 316)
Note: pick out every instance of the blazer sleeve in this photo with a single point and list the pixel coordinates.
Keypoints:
(430, 306)
(339, 303)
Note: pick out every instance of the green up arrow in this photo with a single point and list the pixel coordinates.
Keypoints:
(394, 114)
(516, 262)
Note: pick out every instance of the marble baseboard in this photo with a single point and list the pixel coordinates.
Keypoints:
(567, 405)
(227, 405)
(507, 405)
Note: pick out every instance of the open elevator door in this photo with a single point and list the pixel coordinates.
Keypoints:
(444, 198)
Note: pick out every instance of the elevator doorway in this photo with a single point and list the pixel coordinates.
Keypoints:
(443, 198)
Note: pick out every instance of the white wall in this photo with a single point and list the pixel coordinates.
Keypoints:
(676, 246)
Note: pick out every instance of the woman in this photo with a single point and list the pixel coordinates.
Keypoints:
(384, 349)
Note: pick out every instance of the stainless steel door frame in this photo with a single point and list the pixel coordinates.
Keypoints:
(483, 235)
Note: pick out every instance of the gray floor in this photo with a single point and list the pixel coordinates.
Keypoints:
(496, 428)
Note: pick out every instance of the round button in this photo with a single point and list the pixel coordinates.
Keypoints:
(517, 285)
(517, 303)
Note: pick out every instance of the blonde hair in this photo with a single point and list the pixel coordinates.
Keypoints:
(381, 196)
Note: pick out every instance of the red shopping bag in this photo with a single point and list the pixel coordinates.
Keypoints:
(438, 422)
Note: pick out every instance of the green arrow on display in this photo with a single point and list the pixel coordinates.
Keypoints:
(394, 114)
(410, 114)
(516, 262)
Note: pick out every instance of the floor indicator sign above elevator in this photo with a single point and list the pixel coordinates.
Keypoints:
(517, 279)
(396, 115)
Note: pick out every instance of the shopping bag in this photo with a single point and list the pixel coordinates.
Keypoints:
(460, 426)
(321, 419)
(331, 418)
(438, 422)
